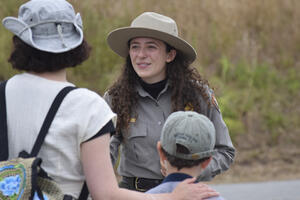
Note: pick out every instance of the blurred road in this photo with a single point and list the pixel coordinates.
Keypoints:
(273, 190)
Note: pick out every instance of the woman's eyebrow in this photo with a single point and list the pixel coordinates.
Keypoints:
(152, 42)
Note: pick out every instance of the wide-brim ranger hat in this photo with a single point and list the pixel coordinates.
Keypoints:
(47, 25)
(191, 130)
(153, 25)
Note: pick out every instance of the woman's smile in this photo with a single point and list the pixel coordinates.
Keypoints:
(143, 65)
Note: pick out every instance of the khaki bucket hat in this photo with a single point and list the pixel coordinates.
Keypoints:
(154, 25)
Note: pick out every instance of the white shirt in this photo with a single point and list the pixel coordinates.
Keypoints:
(81, 115)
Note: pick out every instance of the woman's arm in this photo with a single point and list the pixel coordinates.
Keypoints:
(102, 182)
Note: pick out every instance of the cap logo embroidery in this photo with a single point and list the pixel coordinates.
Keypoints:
(186, 137)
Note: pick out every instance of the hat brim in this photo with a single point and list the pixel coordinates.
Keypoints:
(51, 44)
(118, 41)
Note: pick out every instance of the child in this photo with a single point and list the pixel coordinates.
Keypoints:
(185, 149)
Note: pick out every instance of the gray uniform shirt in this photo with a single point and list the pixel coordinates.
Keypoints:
(139, 157)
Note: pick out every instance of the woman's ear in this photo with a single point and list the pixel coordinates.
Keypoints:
(171, 55)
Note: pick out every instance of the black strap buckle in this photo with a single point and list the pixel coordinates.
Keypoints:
(144, 184)
(137, 182)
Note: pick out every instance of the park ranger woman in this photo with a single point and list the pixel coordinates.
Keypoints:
(157, 79)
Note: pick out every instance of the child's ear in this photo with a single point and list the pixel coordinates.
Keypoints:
(161, 154)
(162, 159)
(205, 163)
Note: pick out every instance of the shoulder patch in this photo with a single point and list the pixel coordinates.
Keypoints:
(189, 107)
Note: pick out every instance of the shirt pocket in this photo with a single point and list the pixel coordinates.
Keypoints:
(136, 144)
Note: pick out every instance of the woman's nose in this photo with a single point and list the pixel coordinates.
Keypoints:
(142, 52)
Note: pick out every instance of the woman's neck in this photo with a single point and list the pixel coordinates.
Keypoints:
(155, 88)
(60, 75)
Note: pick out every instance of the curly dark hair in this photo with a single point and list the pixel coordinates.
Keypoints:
(27, 58)
(185, 81)
(182, 163)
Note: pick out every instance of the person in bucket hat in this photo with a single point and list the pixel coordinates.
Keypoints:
(47, 39)
(157, 79)
(185, 148)
(56, 32)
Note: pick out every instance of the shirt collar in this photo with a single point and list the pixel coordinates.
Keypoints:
(143, 93)
(176, 177)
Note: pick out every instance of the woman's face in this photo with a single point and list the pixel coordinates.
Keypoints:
(149, 57)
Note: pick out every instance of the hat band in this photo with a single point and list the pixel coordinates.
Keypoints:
(44, 22)
(59, 28)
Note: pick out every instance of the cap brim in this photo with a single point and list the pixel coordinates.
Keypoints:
(48, 44)
(118, 40)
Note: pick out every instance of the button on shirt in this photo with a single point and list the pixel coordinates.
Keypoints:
(139, 157)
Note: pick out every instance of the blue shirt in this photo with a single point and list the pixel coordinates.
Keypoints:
(171, 181)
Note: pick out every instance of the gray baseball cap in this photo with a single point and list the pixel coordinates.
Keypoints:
(47, 25)
(191, 130)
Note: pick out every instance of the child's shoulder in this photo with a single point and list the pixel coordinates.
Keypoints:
(166, 187)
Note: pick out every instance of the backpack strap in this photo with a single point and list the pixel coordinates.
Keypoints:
(45, 127)
(3, 124)
(84, 194)
(48, 120)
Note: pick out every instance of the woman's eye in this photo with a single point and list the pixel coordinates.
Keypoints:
(133, 47)
(152, 47)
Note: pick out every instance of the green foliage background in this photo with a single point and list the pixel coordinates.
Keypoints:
(247, 49)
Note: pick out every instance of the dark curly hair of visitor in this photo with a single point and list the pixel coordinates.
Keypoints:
(27, 58)
(182, 163)
(185, 81)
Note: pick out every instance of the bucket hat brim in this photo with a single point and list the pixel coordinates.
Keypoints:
(51, 44)
(118, 40)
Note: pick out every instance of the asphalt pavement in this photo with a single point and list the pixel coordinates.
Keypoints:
(271, 190)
